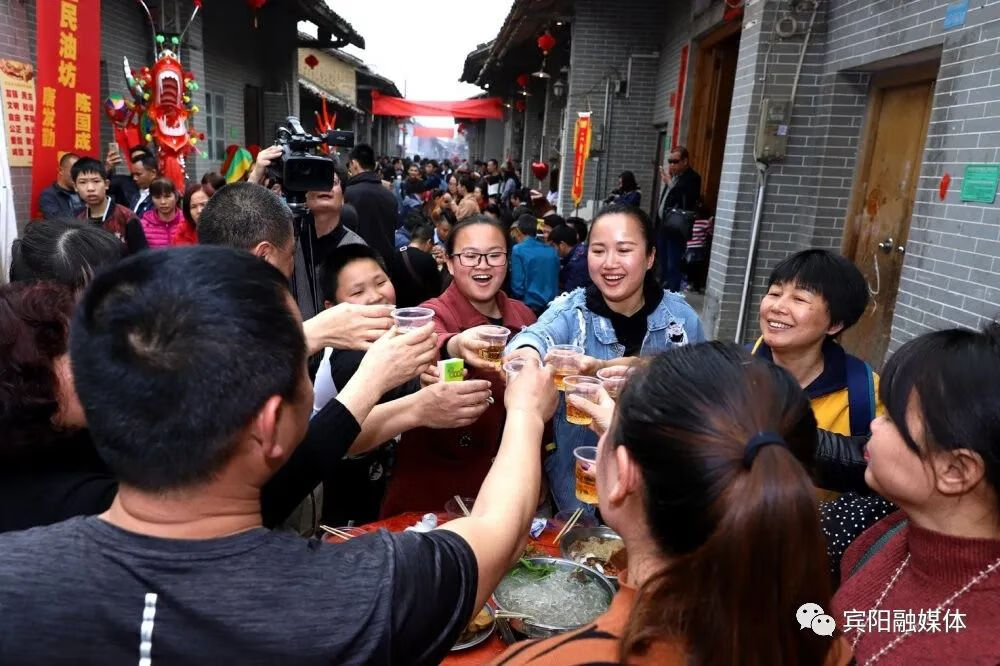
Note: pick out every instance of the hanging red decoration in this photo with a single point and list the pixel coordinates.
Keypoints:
(519, 105)
(255, 5)
(546, 42)
(522, 80)
(540, 169)
(312, 61)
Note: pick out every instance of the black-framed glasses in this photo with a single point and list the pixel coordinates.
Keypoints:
(471, 259)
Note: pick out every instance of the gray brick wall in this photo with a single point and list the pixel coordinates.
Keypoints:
(534, 118)
(604, 35)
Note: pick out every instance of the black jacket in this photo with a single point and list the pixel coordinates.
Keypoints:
(376, 207)
(685, 194)
(54, 201)
(840, 462)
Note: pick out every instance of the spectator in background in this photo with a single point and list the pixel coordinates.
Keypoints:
(549, 222)
(534, 266)
(468, 205)
(580, 225)
(60, 198)
(102, 210)
(453, 186)
(432, 176)
(376, 207)
(699, 249)
(553, 194)
(122, 186)
(195, 198)
(213, 182)
(628, 191)
(681, 190)
(419, 275)
(161, 222)
(144, 171)
(573, 271)
(63, 250)
(511, 183)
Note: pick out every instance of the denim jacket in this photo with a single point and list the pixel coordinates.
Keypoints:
(569, 321)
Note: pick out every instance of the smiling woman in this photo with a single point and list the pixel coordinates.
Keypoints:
(624, 314)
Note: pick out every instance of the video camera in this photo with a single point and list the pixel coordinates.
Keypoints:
(300, 168)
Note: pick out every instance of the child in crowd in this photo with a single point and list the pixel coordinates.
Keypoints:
(161, 222)
(91, 180)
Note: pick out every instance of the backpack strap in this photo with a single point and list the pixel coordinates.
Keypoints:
(878, 545)
(860, 395)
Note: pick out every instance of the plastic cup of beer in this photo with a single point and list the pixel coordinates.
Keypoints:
(496, 338)
(515, 365)
(586, 473)
(407, 319)
(613, 379)
(586, 387)
(564, 360)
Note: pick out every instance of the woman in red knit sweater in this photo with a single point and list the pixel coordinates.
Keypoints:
(923, 584)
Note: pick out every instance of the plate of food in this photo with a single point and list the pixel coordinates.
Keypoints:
(545, 596)
(597, 547)
(478, 630)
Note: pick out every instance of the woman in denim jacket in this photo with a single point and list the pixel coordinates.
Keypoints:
(624, 314)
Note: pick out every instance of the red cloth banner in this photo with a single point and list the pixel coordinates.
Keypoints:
(581, 151)
(68, 86)
(679, 99)
(438, 132)
(489, 107)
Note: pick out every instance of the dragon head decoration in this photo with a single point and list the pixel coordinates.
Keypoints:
(161, 106)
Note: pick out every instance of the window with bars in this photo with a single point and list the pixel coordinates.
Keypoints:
(215, 125)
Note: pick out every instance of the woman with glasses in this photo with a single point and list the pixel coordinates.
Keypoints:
(433, 466)
(625, 313)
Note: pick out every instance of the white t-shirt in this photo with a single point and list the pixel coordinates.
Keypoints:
(324, 390)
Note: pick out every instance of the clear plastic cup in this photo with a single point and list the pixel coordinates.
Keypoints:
(613, 379)
(515, 365)
(585, 387)
(407, 319)
(564, 360)
(496, 337)
(586, 473)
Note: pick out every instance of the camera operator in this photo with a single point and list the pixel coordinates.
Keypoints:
(376, 206)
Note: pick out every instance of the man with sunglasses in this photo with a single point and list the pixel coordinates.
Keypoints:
(534, 266)
(681, 190)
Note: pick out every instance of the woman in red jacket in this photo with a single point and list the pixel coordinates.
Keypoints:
(434, 465)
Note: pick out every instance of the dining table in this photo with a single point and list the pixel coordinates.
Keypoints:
(494, 646)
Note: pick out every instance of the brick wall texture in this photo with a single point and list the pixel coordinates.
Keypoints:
(222, 49)
(951, 267)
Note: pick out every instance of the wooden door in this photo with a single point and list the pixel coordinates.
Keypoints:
(879, 223)
(715, 75)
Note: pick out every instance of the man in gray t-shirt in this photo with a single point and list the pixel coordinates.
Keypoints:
(190, 365)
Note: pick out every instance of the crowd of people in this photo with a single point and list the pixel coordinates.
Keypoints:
(178, 421)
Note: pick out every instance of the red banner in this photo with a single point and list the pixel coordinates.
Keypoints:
(68, 86)
(436, 132)
(489, 107)
(581, 151)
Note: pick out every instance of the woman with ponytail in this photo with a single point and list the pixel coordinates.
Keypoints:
(703, 474)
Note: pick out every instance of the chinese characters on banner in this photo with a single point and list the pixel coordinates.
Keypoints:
(17, 87)
(581, 151)
(68, 35)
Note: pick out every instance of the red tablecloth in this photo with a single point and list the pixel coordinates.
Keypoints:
(484, 652)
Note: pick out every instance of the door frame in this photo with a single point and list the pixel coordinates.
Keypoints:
(703, 74)
(880, 82)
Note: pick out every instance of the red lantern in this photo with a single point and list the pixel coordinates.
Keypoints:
(312, 61)
(519, 105)
(540, 169)
(522, 80)
(546, 42)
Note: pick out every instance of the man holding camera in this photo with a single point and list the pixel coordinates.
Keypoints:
(376, 206)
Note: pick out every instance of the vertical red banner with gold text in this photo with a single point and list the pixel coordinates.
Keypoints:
(68, 84)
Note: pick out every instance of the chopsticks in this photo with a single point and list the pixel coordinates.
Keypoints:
(461, 505)
(569, 525)
(337, 533)
(509, 615)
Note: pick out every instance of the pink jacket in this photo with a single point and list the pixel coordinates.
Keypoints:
(158, 232)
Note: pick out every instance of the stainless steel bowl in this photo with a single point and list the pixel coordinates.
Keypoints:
(537, 627)
(578, 534)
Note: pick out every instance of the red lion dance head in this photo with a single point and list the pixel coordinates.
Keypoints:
(161, 103)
